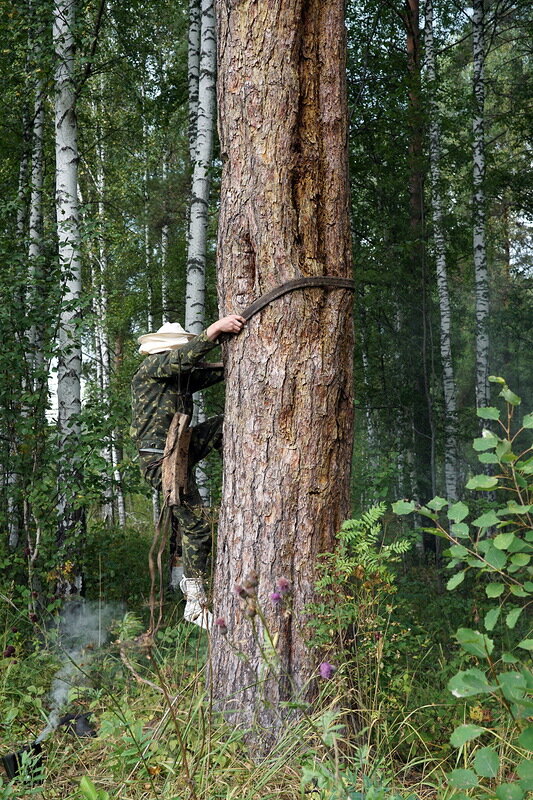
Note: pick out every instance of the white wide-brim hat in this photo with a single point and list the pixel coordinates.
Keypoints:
(168, 337)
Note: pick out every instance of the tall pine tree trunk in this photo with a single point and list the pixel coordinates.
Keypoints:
(67, 217)
(478, 208)
(451, 465)
(289, 403)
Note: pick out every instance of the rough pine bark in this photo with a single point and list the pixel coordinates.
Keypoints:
(289, 402)
(451, 463)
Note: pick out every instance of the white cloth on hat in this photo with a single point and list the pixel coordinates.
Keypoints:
(169, 336)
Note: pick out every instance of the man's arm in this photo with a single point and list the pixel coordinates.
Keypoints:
(185, 358)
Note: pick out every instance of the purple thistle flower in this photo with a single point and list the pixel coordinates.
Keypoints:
(326, 670)
(283, 586)
(276, 597)
(251, 581)
(221, 625)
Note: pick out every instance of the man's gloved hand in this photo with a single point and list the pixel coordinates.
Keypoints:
(233, 323)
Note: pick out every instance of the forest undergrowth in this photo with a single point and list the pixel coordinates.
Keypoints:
(423, 671)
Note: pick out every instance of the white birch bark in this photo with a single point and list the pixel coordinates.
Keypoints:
(193, 70)
(35, 246)
(448, 379)
(202, 154)
(478, 207)
(10, 478)
(165, 232)
(197, 239)
(67, 217)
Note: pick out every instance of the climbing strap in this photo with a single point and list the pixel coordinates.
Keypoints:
(174, 465)
(318, 281)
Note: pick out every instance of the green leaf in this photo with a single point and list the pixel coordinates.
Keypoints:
(465, 733)
(468, 683)
(525, 773)
(488, 458)
(489, 412)
(458, 512)
(494, 589)
(503, 450)
(486, 520)
(455, 580)
(522, 709)
(514, 508)
(491, 618)
(485, 442)
(474, 642)
(88, 789)
(403, 507)
(460, 530)
(486, 762)
(512, 616)
(526, 644)
(518, 591)
(527, 422)
(513, 685)
(458, 551)
(496, 558)
(508, 658)
(426, 512)
(482, 482)
(503, 540)
(437, 503)
(462, 779)
(509, 791)
(496, 379)
(509, 396)
(525, 739)
(520, 559)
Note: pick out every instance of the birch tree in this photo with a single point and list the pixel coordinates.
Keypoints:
(67, 217)
(289, 408)
(478, 207)
(201, 133)
(451, 466)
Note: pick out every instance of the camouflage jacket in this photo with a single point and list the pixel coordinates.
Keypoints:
(164, 384)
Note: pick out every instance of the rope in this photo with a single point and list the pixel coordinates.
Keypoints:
(318, 281)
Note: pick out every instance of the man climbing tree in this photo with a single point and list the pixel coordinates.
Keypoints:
(162, 390)
(288, 423)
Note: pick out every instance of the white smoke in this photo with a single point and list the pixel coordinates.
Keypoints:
(82, 627)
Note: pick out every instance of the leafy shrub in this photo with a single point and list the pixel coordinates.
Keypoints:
(497, 545)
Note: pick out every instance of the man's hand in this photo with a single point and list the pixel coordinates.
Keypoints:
(234, 323)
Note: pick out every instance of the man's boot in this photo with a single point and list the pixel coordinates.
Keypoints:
(196, 610)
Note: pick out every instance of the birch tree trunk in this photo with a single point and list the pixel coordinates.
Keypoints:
(101, 335)
(422, 423)
(67, 217)
(289, 403)
(35, 247)
(202, 156)
(478, 207)
(451, 465)
(193, 70)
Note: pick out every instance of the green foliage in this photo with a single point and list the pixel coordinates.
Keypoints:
(497, 547)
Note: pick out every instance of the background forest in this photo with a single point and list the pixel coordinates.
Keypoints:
(109, 175)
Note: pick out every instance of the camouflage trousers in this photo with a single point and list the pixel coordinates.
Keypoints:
(190, 521)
